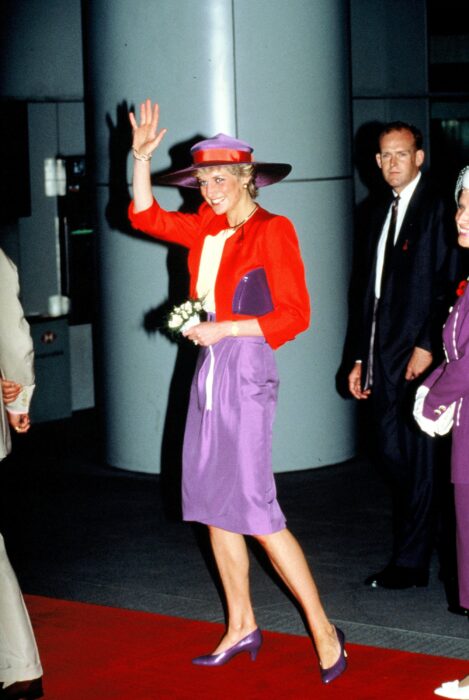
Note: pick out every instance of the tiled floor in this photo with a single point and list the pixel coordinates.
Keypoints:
(79, 530)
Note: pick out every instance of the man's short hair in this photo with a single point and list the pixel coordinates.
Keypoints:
(401, 126)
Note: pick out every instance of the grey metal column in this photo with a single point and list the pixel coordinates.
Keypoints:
(276, 74)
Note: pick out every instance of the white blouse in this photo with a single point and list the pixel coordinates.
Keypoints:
(208, 268)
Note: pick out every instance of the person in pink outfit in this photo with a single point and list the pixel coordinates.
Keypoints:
(442, 405)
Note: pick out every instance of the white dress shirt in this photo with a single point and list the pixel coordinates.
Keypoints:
(404, 200)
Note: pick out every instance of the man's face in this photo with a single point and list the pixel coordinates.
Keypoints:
(398, 159)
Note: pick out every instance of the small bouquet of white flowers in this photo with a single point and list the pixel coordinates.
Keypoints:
(183, 317)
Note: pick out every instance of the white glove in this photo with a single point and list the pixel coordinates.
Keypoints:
(439, 426)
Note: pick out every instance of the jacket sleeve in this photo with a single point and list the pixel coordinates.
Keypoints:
(286, 277)
(450, 381)
(169, 226)
(16, 345)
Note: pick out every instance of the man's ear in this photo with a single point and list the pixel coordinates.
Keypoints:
(419, 157)
(378, 160)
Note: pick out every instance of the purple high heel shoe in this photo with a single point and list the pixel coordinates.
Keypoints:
(330, 674)
(252, 643)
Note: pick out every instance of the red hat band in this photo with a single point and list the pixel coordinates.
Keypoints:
(222, 155)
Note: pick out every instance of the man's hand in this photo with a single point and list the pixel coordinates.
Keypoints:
(355, 382)
(19, 421)
(420, 360)
(10, 390)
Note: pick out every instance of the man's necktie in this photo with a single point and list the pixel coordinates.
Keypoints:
(388, 251)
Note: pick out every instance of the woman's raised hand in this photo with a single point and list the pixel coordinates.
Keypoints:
(146, 137)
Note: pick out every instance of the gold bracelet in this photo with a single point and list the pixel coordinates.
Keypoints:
(234, 329)
(141, 156)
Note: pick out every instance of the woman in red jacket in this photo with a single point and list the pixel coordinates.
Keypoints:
(245, 266)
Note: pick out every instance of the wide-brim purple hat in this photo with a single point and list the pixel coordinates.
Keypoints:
(224, 150)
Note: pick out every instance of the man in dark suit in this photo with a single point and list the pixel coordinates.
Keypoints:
(404, 301)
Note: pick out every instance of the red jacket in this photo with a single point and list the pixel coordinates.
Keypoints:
(266, 240)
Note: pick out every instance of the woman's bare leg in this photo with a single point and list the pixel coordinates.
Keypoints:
(290, 563)
(232, 558)
(288, 560)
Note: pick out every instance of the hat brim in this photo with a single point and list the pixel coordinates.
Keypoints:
(266, 174)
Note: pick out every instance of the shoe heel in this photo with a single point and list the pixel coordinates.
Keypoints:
(253, 653)
(330, 674)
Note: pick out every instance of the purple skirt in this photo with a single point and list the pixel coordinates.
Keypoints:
(227, 457)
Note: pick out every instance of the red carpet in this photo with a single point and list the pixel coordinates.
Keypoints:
(90, 652)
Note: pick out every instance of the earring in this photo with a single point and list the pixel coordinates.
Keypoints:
(245, 186)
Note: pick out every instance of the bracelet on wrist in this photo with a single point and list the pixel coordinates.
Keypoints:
(141, 156)
(234, 329)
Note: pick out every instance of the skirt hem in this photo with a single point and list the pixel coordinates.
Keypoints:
(229, 527)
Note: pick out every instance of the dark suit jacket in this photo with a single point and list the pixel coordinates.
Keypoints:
(419, 288)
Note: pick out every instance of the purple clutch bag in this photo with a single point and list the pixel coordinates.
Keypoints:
(252, 294)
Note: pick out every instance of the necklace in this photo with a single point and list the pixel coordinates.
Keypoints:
(233, 228)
